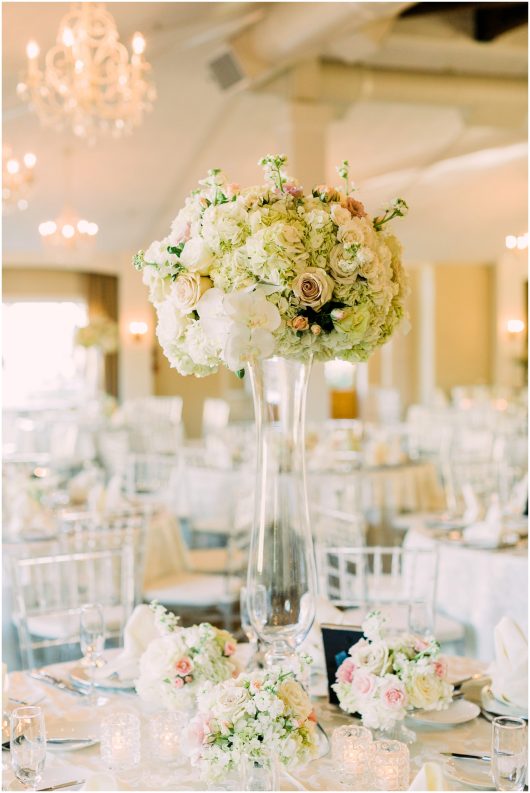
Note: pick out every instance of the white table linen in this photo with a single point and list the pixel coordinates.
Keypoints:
(478, 587)
(66, 714)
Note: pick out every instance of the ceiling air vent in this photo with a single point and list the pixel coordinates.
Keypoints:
(226, 71)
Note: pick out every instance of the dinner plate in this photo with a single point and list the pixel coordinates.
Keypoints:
(71, 745)
(500, 708)
(80, 677)
(475, 774)
(458, 712)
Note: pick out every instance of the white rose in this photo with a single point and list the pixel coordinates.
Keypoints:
(313, 287)
(339, 215)
(159, 287)
(344, 269)
(372, 657)
(424, 689)
(231, 703)
(357, 231)
(171, 323)
(197, 256)
(188, 289)
(295, 699)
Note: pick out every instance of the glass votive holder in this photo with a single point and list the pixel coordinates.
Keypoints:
(120, 741)
(165, 737)
(390, 765)
(351, 748)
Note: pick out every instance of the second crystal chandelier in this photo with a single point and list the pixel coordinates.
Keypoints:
(88, 83)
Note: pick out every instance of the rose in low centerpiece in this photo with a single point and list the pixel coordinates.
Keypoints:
(387, 675)
(101, 332)
(177, 663)
(256, 716)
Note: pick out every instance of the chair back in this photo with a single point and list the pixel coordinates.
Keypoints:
(397, 581)
(48, 592)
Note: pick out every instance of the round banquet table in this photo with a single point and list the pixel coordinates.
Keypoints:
(66, 714)
(478, 587)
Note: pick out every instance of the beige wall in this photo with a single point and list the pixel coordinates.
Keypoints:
(32, 283)
(465, 324)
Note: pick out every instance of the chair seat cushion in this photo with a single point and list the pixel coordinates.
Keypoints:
(215, 560)
(63, 625)
(194, 589)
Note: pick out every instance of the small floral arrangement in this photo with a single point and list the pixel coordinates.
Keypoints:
(249, 273)
(256, 715)
(100, 332)
(176, 664)
(384, 676)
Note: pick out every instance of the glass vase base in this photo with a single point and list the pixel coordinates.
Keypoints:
(396, 733)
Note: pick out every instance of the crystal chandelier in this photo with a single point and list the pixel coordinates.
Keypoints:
(88, 84)
(17, 178)
(68, 230)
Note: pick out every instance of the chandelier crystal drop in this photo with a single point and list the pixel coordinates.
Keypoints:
(17, 179)
(89, 83)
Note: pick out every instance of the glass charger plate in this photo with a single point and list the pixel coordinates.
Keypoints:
(475, 774)
(458, 712)
(80, 677)
(500, 708)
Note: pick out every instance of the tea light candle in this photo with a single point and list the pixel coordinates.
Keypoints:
(120, 741)
(351, 748)
(164, 736)
(391, 763)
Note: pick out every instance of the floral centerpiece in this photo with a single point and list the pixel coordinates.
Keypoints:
(255, 716)
(386, 675)
(100, 332)
(175, 665)
(246, 274)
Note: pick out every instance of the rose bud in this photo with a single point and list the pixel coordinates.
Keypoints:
(316, 330)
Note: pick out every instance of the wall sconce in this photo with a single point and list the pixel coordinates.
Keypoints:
(514, 327)
(137, 330)
(520, 242)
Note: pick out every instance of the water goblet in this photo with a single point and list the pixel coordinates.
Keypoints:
(28, 745)
(509, 760)
(92, 641)
(248, 628)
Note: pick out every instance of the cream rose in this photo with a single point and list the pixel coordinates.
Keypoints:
(344, 269)
(339, 215)
(372, 657)
(313, 287)
(197, 256)
(424, 690)
(231, 703)
(187, 290)
(295, 699)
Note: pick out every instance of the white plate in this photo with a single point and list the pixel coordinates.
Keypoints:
(500, 708)
(72, 746)
(474, 774)
(79, 675)
(458, 712)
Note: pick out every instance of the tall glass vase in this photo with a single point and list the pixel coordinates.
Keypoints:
(281, 574)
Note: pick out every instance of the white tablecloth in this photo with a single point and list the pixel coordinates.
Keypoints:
(478, 587)
(66, 715)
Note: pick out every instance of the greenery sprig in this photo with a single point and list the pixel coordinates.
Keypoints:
(344, 173)
(397, 208)
(273, 164)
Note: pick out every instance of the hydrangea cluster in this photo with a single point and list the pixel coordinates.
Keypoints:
(176, 664)
(249, 273)
(255, 716)
(384, 676)
(100, 332)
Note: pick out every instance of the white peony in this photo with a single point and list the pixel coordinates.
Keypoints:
(171, 324)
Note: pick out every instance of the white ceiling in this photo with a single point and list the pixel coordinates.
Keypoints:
(465, 182)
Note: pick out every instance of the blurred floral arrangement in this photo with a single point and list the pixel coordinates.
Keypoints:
(100, 332)
(260, 716)
(176, 664)
(250, 273)
(384, 676)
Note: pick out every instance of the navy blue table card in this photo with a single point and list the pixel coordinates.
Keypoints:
(337, 641)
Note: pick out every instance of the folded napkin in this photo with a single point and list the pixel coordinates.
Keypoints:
(429, 777)
(509, 671)
(326, 613)
(488, 532)
(81, 485)
(472, 506)
(108, 500)
(139, 631)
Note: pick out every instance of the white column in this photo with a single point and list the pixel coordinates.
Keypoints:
(136, 357)
(427, 334)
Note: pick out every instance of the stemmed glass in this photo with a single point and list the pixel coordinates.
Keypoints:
(28, 745)
(509, 753)
(92, 641)
(248, 628)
